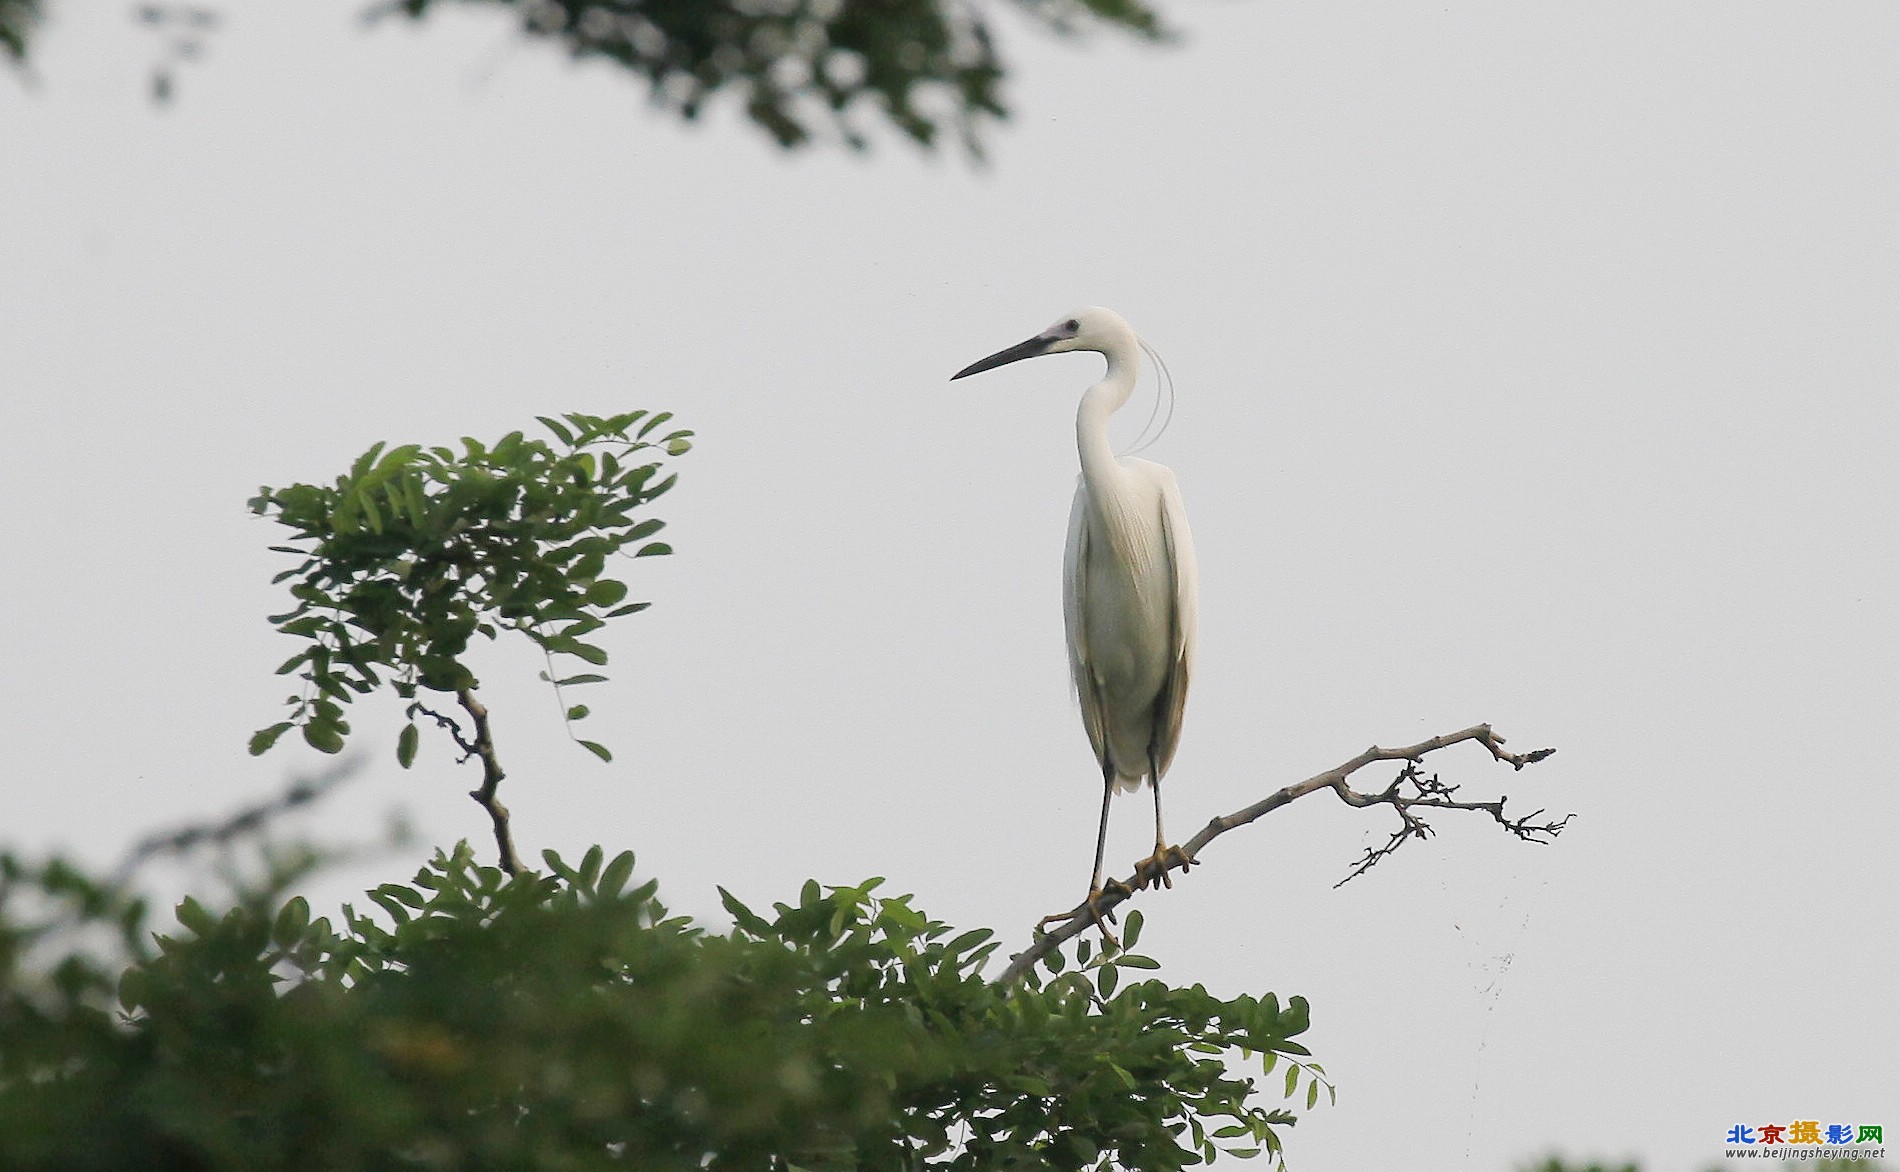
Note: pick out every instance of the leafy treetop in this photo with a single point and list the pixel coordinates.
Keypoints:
(921, 65)
(565, 1020)
(416, 550)
(799, 67)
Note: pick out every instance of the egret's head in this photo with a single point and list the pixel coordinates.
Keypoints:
(1088, 328)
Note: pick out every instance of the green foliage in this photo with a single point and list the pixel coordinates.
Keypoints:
(17, 18)
(922, 66)
(918, 64)
(417, 550)
(481, 1018)
(566, 1021)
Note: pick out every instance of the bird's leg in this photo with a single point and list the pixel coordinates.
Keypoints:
(1166, 857)
(1101, 844)
(1103, 917)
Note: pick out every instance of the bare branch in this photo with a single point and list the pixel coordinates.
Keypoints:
(449, 726)
(246, 821)
(483, 746)
(1428, 793)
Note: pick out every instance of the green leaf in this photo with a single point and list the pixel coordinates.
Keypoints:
(390, 904)
(192, 915)
(558, 865)
(616, 874)
(1106, 979)
(406, 742)
(1292, 1080)
(414, 504)
(586, 651)
(291, 921)
(132, 988)
(366, 461)
(397, 457)
(968, 940)
(584, 678)
(323, 736)
(653, 549)
(577, 712)
(408, 896)
(371, 514)
(606, 592)
(744, 916)
(1312, 1094)
(1132, 932)
(598, 750)
(264, 738)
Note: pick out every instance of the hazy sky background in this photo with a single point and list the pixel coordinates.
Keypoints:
(1537, 364)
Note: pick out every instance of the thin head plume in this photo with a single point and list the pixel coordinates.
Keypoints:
(1164, 382)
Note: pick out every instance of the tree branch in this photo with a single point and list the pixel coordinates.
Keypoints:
(449, 726)
(483, 746)
(246, 821)
(1427, 792)
(1431, 793)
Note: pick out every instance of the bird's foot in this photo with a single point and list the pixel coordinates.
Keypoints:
(1102, 916)
(1092, 909)
(1153, 870)
(1042, 925)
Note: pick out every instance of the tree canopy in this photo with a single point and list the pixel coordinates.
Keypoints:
(560, 1018)
(804, 71)
(564, 1020)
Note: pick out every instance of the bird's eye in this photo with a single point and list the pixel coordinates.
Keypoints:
(1072, 326)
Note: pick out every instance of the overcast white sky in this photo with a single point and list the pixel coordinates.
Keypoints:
(1537, 364)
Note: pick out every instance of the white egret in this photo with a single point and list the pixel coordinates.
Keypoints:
(1129, 583)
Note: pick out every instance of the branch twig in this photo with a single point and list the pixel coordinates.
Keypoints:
(449, 726)
(1430, 793)
(483, 746)
(252, 818)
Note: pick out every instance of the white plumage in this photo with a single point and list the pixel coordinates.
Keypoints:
(1128, 579)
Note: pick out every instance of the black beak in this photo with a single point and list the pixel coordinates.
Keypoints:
(1016, 353)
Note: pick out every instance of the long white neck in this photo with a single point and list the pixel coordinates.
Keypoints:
(1098, 403)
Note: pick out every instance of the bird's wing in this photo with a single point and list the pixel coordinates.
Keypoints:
(1075, 574)
(1185, 578)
